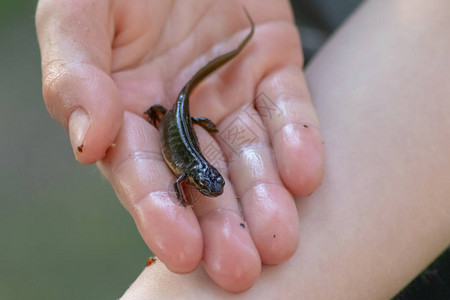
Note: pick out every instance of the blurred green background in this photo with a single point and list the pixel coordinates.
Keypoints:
(63, 233)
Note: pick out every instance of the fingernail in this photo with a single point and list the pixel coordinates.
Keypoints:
(79, 123)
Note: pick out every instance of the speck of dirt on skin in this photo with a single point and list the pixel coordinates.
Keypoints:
(242, 225)
(150, 261)
(80, 148)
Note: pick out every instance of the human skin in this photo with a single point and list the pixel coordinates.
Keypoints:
(381, 87)
(106, 62)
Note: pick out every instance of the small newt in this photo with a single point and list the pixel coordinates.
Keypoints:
(179, 142)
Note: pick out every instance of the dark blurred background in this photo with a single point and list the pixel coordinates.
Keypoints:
(63, 233)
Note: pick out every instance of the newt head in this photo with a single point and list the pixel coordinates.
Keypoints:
(207, 180)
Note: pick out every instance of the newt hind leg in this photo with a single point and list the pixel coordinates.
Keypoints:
(207, 124)
(181, 197)
(155, 114)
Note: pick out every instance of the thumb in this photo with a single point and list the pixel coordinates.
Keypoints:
(75, 41)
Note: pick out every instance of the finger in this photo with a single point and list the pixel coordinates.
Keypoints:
(230, 257)
(75, 41)
(140, 177)
(284, 105)
(268, 207)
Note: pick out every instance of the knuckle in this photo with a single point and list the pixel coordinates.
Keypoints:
(54, 83)
(47, 8)
(42, 10)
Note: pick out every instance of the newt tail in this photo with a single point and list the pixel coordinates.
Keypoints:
(179, 142)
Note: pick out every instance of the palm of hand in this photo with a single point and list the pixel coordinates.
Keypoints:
(156, 48)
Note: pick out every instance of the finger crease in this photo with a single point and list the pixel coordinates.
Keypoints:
(137, 156)
(257, 183)
(256, 145)
(305, 125)
(135, 207)
(222, 211)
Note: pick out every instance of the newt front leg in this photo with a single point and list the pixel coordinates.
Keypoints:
(179, 142)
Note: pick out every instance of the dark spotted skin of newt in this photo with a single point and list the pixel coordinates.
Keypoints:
(179, 142)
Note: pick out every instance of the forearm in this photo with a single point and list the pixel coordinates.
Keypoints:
(381, 88)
